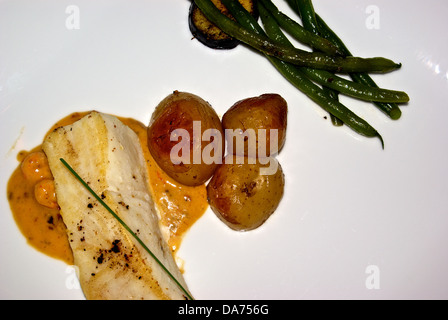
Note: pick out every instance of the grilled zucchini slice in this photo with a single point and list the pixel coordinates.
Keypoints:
(209, 34)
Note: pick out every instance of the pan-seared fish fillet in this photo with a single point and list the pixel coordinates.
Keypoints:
(112, 264)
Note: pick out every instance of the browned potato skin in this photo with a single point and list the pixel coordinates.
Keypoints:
(267, 111)
(241, 197)
(178, 111)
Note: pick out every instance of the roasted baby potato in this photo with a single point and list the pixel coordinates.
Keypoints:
(176, 141)
(243, 196)
(267, 111)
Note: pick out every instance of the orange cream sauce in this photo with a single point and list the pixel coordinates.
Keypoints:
(179, 206)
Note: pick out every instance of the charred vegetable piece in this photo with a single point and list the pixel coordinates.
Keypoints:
(208, 33)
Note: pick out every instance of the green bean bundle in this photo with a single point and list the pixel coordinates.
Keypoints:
(390, 108)
(295, 75)
(293, 55)
(313, 73)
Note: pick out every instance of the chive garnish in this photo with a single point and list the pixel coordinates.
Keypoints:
(124, 226)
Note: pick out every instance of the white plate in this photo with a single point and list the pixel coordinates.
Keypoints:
(356, 221)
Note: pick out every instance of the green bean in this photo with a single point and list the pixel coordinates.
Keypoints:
(339, 84)
(354, 89)
(309, 21)
(318, 95)
(294, 6)
(390, 109)
(293, 55)
(308, 15)
(329, 34)
(300, 33)
(295, 76)
(333, 94)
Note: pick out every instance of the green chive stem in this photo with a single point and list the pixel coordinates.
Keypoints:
(123, 224)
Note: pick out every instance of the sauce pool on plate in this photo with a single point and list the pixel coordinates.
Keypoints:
(34, 205)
